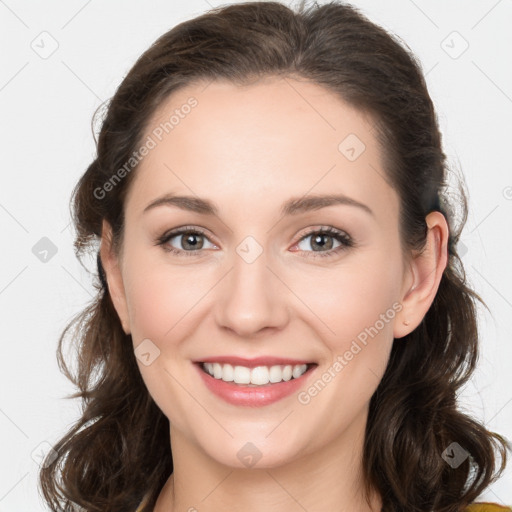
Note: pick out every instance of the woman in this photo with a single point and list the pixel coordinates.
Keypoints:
(282, 320)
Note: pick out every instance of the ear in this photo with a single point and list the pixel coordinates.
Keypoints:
(110, 262)
(423, 276)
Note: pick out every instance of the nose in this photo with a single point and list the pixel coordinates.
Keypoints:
(252, 299)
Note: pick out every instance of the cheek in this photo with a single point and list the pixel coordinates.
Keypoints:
(355, 297)
(161, 310)
(160, 297)
(150, 307)
(359, 307)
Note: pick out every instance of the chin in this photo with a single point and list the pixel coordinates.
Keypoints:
(254, 452)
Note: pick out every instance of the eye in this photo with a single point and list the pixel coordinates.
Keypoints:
(190, 239)
(320, 239)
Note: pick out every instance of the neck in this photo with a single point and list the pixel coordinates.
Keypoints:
(328, 479)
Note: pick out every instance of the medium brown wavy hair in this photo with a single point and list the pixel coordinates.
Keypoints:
(118, 451)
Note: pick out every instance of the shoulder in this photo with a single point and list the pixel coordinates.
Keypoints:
(487, 507)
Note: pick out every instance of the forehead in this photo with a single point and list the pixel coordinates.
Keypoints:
(272, 139)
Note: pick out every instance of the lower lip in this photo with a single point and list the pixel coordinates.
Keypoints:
(252, 396)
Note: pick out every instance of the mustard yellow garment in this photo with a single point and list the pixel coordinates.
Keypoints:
(487, 507)
(475, 507)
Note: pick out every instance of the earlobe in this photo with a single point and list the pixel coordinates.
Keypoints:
(113, 276)
(427, 270)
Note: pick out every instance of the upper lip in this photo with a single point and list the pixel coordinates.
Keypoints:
(252, 363)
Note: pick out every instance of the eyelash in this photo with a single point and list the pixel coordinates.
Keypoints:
(345, 240)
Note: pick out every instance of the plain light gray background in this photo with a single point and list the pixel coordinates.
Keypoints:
(60, 60)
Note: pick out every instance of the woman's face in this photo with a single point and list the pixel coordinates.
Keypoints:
(262, 279)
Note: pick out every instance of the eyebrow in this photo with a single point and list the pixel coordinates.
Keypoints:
(292, 206)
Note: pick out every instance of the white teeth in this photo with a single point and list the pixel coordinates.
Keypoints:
(276, 374)
(227, 372)
(297, 371)
(258, 376)
(217, 370)
(287, 372)
(242, 375)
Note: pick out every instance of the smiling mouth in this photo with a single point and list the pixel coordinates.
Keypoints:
(256, 376)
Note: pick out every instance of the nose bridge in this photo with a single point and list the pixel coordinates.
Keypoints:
(251, 298)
